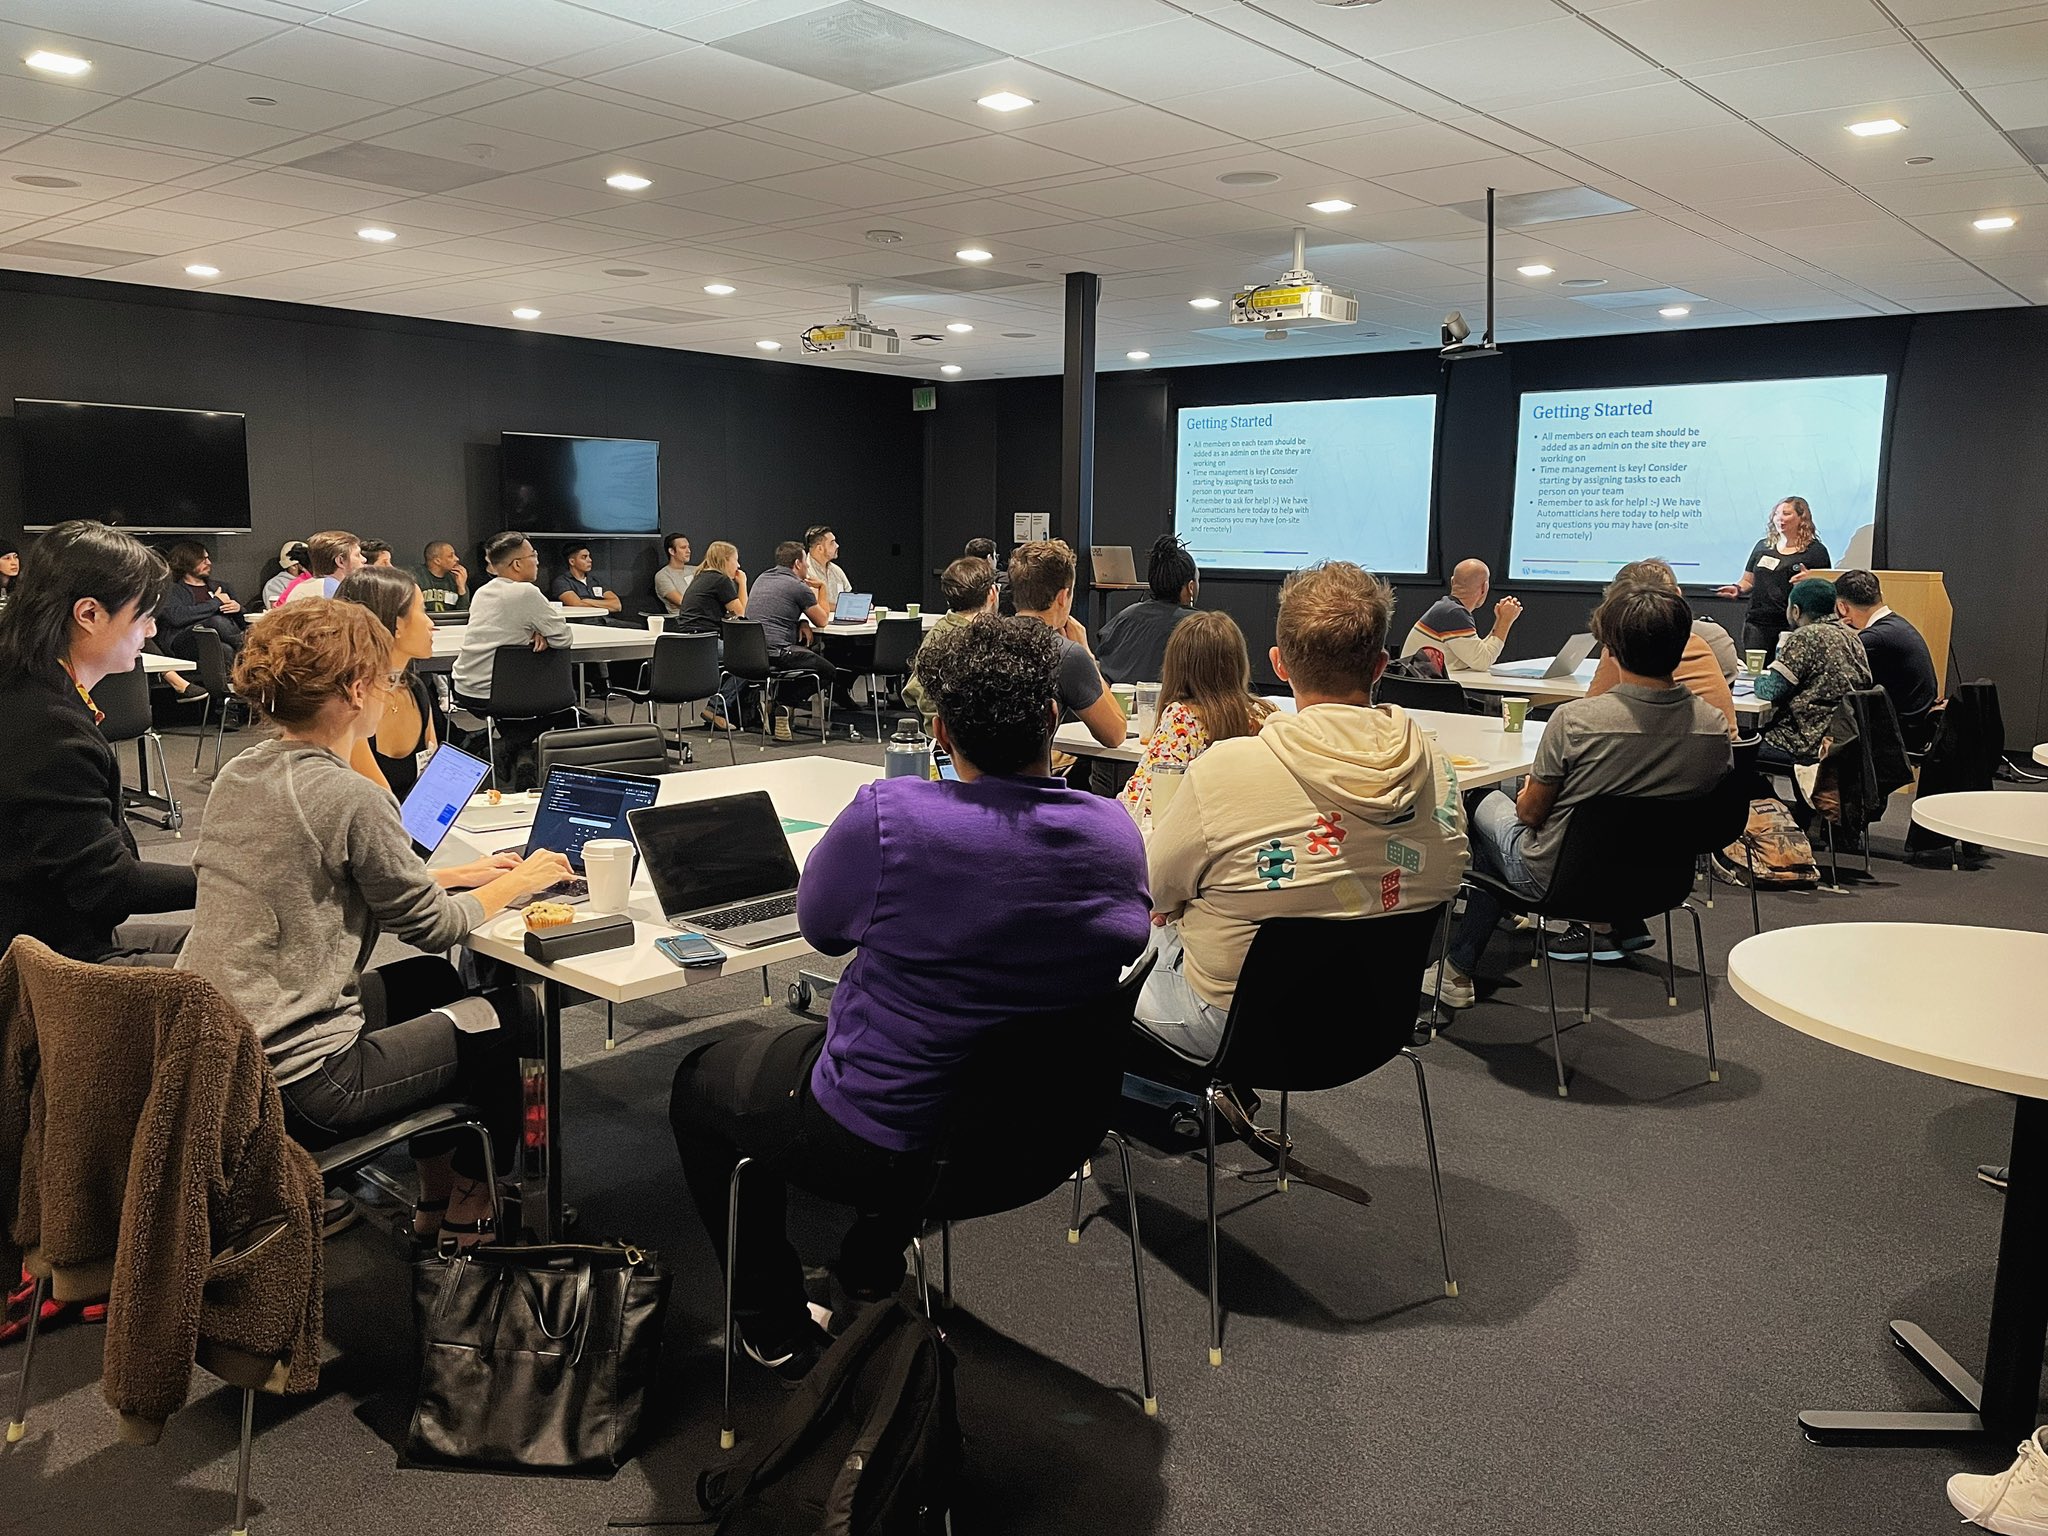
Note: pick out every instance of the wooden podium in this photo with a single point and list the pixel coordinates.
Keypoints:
(1921, 599)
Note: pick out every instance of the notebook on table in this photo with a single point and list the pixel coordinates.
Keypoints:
(721, 867)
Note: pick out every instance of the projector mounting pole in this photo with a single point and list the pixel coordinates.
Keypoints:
(1300, 272)
(853, 298)
(1489, 266)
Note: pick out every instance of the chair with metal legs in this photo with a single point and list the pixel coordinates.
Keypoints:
(1301, 1020)
(897, 642)
(999, 1153)
(123, 698)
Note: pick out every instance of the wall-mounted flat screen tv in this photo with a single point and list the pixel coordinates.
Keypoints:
(604, 487)
(143, 468)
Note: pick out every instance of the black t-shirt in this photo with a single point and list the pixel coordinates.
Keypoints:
(1900, 665)
(1132, 645)
(1774, 581)
(703, 609)
(402, 772)
(567, 583)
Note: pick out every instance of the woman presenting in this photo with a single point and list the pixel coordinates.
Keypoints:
(1787, 551)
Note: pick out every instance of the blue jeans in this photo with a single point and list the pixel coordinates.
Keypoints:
(1496, 838)
(1169, 1008)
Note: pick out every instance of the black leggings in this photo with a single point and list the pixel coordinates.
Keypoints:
(408, 1057)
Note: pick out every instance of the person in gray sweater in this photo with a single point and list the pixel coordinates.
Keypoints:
(302, 865)
(508, 610)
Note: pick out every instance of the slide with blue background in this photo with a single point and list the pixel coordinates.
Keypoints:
(1688, 473)
(1276, 487)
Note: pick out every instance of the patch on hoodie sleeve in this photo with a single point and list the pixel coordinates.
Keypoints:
(1404, 855)
(1275, 863)
(1328, 834)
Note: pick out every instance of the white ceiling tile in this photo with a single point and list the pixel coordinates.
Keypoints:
(589, 173)
(1367, 198)
(660, 221)
(1413, 147)
(1963, 194)
(324, 59)
(521, 31)
(2024, 105)
(153, 124)
(1580, 118)
(569, 115)
(1376, 30)
(44, 104)
(2001, 56)
(994, 160)
(500, 150)
(975, 216)
(1268, 109)
(1507, 174)
(186, 29)
(64, 151)
(210, 88)
(757, 204)
(1685, 34)
(857, 186)
(723, 155)
(542, 196)
(867, 125)
(1139, 134)
(723, 84)
(1054, 96)
(1562, 53)
(1841, 80)
(1176, 57)
(1652, 158)
(1117, 196)
(1040, 25)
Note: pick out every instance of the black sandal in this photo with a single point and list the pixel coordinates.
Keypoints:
(426, 1242)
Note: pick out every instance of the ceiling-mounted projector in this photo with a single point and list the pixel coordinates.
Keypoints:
(1296, 299)
(853, 334)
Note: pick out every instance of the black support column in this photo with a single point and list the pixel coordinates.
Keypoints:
(1077, 435)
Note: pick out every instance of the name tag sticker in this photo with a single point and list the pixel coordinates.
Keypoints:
(597, 591)
(1767, 562)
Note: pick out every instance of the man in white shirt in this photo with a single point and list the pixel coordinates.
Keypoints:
(508, 610)
(821, 568)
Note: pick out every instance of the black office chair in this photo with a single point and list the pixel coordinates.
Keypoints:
(211, 655)
(1754, 784)
(683, 669)
(1299, 1022)
(624, 748)
(1432, 693)
(1627, 859)
(526, 685)
(123, 698)
(896, 646)
(1032, 1104)
(746, 658)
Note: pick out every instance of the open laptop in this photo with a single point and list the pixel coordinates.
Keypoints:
(853, 608)
(1563, 664)
(444, 787)
(1111, 565)
(577, 805)
(721, 867)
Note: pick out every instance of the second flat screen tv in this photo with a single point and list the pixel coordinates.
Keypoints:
(606, 487)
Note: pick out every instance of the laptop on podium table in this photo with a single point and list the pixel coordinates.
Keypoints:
(721, 867)
(1111, 565)
(1563, 664)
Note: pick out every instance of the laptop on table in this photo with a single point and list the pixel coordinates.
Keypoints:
(577, 805)
(721, 867)
(1111, 565)
(853, 608)
(438, 797)
(1563, 664)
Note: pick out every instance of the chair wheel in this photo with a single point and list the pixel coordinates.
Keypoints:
(800, 996)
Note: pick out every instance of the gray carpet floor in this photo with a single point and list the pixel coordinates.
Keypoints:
(1655, 1276)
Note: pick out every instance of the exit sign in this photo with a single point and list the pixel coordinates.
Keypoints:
(924, 398)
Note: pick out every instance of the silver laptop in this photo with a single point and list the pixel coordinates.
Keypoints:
(1112, 565)
(721, 867)
(853, 608)
(1563, 664)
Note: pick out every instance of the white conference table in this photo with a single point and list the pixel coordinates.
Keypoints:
(1500, 755)
(155, 665)
(2013, 820)
(868, 626)
(1542, 692)
(1959, 1003)
(810, 791)
(587, 643)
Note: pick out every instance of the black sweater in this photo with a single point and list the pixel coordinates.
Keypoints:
(69, 871)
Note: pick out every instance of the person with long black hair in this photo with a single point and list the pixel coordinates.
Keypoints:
(10, 570)
(70, 873)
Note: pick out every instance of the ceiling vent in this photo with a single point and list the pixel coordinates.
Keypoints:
(400, 168)
(1519, 210)
(859, 46)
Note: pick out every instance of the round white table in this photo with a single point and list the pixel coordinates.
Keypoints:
(1963, 1004)
(2009, 819)
(2041, 754)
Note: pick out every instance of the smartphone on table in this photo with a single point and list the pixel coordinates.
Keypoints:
(690, 950)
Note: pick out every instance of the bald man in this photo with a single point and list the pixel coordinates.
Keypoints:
(1448, 632)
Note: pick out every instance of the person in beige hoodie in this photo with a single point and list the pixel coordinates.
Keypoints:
(1340, 809)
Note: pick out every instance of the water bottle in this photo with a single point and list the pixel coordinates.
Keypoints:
(907, 754)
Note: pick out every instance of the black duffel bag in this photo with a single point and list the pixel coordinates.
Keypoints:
(535, 1359)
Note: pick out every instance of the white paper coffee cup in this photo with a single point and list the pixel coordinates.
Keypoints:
(608, 866)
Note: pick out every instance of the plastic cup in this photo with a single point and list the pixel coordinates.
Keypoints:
(1753, 662)
(1514, 714)
(1166, 782)
(608, 866)
(1146, 716)
(913, 610)
(656, 623)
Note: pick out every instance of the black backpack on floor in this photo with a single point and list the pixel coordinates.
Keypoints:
(869, 1445)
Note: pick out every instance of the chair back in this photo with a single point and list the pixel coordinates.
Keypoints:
(627, 748)
(1322, 1001)
(526, 683)
(685, 667)
(1439, 693)
(1032, 1103)
(896, 643)
(1633, 856)
(210, 654)
(124, 699)
(746, 649)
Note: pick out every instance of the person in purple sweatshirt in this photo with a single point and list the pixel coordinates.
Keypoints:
(966, 904)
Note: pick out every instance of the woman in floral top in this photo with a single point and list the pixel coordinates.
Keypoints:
(1205, 696)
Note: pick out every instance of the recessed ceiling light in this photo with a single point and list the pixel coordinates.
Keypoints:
(201, 269)
(1583, 282)
(1005, 101)
(1675, 311)
(626, 181)
(46, 181)
(768, 346)
(1333, 205)
(1996, 221)
(1535, 269)
(525, 312)
(975, 253)
(959, 327)
(1137, 357)
(1248, 178)
(1877, 127)
(57, 63)
(1204, 303)
(720, 289)
(372, 232)
(950, 368)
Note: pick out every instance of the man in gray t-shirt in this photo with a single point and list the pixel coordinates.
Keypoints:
(1042, 578)
(1648, 737)
(783, 603)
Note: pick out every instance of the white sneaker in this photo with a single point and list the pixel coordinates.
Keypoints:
(1458, 991)
(2013, 1502)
